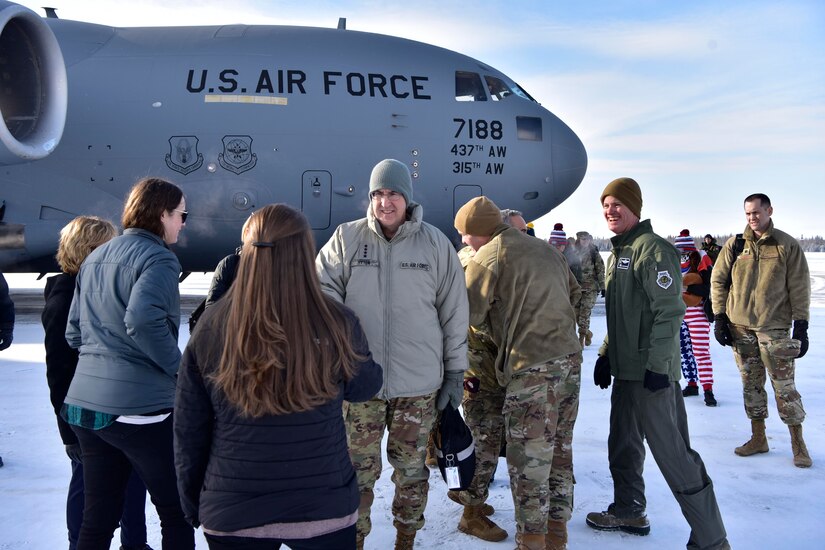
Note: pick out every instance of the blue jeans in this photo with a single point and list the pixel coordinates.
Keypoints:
(343, 539)
(132, 522)
(109, 455)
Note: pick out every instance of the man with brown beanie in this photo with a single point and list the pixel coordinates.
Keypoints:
(523, 290)
(758, 294)
(403, 279)
(643, 299)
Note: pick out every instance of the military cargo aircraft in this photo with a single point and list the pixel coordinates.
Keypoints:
(241, 116)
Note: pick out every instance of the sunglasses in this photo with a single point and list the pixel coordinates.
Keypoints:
(183, 214)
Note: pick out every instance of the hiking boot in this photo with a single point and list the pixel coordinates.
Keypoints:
(801, 458)
(486, 509)
(690, 390)
(474, 523)
(758, 443)
(404, 540)
(556, 537)
(588, 338)
(529, 541)
(608, 521)
(710, 400)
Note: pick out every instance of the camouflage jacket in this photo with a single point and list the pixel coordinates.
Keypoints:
(591, 276)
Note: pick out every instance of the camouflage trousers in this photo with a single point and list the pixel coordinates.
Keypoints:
(482, 414)
(757, 352)
(585, 307)
(408, 421)
(540, 409)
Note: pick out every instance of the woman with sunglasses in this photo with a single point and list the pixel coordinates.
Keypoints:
(124, 320)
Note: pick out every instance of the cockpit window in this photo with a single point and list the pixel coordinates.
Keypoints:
(468, 87)
(497, 88)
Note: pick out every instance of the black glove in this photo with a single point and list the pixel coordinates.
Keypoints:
(655, 381)
(6, 335)
(74, 452)
(800, 332)
(601, 374)
(721, 330)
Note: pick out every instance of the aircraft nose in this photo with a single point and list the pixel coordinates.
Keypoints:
(569, 160)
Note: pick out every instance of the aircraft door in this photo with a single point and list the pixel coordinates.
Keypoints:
(462, 194)
(315, 199)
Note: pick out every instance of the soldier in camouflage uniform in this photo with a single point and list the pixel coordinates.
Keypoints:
(522, 288)
(590, 276)
(403, 279)
(757, 292)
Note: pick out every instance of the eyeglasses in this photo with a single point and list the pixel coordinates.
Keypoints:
(389, 195)
(183, 214)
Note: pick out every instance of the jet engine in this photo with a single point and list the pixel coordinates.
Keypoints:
(33, 86)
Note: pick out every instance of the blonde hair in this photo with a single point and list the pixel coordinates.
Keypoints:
(287, 346)
(79, 237)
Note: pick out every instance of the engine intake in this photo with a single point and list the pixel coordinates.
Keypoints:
(33, 86)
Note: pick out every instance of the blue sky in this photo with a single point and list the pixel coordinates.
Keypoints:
(702, 102)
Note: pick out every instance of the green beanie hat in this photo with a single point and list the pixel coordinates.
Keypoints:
(626, 191)
(393, 175)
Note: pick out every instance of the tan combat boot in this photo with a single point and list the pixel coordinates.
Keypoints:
(529, 541)
(486, 509)
(404, 540)
(473, 522)
(588, 338)
(758, 443)
(556, 537)
(582, 337)
(801, 458)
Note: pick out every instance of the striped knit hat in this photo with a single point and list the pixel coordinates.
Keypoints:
(684, 242)
(558, 236)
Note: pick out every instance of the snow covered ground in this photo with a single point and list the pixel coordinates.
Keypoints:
(766, 502)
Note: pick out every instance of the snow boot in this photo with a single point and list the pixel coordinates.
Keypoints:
(556, 537)
(473, 522)
(710, 400)
(608, 521)
(404, 540)
(486, 509)
(758, 443)
(529, 541)
(801, 458)
(588, 338)
(690, 390)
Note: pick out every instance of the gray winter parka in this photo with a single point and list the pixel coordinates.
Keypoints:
(409, 295)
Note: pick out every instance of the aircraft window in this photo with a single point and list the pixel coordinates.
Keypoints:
(498, 89)
(528, 128)
(468, 87)
(518, 90)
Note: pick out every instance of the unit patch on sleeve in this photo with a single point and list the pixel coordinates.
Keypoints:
(664, 280)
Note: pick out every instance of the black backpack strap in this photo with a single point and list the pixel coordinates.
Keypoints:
(738, 247)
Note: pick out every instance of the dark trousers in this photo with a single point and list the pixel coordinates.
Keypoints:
(109, 455)
(132, 522)
(637, 414)
(337, 540)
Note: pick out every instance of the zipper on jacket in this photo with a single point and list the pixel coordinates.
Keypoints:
(387, 318)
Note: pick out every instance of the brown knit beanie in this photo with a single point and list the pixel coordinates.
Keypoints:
(626, 191)
(479, 217)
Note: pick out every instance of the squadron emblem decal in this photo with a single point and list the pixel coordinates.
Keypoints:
(237, 154)
(664, 280)
(183, 154)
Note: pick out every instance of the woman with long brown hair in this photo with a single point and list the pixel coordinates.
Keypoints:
(260, 444)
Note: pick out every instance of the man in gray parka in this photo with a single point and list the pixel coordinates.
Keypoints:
(403, 279)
